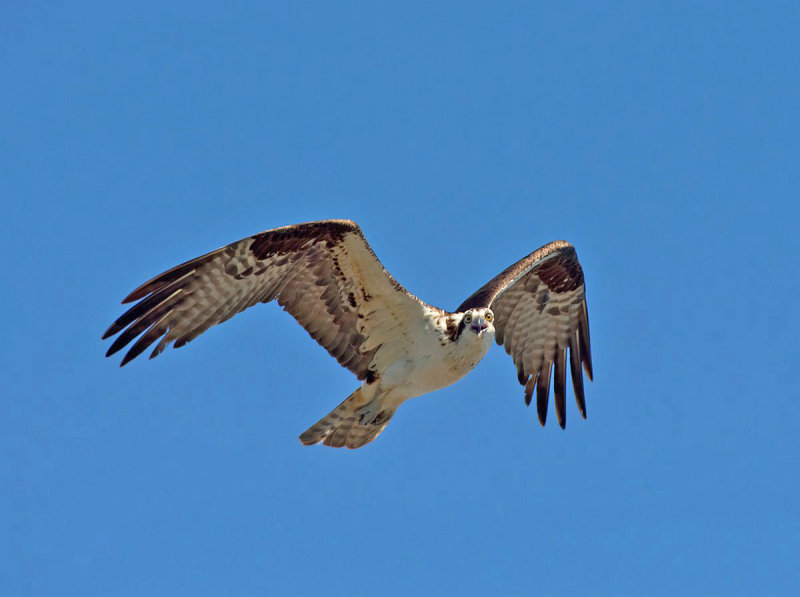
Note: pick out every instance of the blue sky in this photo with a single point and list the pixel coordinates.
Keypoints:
(660, 138)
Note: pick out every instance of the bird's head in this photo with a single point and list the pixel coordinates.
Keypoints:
(479, 321)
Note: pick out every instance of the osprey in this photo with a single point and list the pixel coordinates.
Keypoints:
(327, 277)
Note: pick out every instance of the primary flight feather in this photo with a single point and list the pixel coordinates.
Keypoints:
(327, 277)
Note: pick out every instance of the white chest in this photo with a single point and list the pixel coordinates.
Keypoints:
(438, 362)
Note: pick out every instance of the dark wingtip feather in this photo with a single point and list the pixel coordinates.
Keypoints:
(155, 316)
(587, 367)
(121, 322)
(543, 392)
(586, 347)
(137, 294)
(155, 284)
(169, 276)
(150, 336)
(577, 375)
(522, 377)
(530, 385)
(149, 308)
(560, 387)
(542, 414)
(158, 349)
(122, 340)
(541, 408)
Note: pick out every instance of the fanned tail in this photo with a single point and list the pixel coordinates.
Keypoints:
(351, 424)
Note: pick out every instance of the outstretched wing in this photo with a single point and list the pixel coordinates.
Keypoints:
(539, 305)
(323, 273)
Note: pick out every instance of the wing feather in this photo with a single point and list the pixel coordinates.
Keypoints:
(575, 373)
(543, 390)
(560, 386)
(323, 273)
(150, 336)
(540, 311)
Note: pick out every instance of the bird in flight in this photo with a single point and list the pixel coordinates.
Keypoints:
(328, 278)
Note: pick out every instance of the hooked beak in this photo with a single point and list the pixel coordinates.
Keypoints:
(478, 325)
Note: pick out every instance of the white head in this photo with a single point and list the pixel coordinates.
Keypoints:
(479, 322)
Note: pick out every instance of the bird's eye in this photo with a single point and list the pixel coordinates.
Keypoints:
(467, 317)
(488, 316)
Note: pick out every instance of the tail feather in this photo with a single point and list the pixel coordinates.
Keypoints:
(349, 425)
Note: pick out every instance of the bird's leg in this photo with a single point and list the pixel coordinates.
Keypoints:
(370, 413)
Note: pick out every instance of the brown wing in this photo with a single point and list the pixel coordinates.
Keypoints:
(323, 273)
(539, 305)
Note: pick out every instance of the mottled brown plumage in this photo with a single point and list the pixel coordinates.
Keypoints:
(540, 312)
(299, 266)
(327, 277)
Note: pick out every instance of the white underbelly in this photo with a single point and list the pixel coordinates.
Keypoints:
(435, 369)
